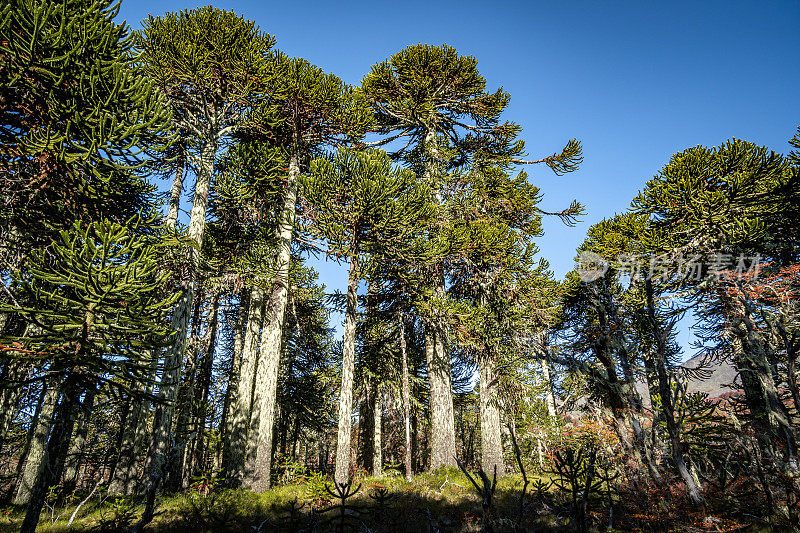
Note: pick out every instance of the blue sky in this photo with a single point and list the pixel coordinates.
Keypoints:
(634, 81)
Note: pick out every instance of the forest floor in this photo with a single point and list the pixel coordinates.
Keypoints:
(442, 501)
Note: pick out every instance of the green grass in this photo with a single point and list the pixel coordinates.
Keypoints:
(445, 498)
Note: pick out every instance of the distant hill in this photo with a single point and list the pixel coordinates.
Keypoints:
(714, 379)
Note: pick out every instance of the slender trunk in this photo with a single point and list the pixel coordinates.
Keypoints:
(75, 457)
(491, 433)
(665, 391)
(9, 397)
(134, 437)
(173, 361)
(35, 459)
(366, 421)
(550, 399)
(185, 400)
(342, 474)
(377, 429)
(271, 346)
(175, 193)
(242, 402)
(406, 398)
(232, 389)
(201, 393)
(55, 453)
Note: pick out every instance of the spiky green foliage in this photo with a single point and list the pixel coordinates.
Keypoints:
(361, 204)
(94, 297)
(74, 117)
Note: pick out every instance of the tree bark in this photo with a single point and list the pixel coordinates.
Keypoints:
(342, 474)
(175, 193)
(55, 453)
(406, 399)
(75, 456)
(271, 345)
(231, 391)
(242, 401)
(443, 437)
(173, 361)
(35, 458)
(665, 391)
(491, 432)
(377, 434)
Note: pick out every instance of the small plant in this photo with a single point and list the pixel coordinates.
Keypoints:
(486, 492)
(348, 516)
(314, 489)
(228, 509)
(118, 515)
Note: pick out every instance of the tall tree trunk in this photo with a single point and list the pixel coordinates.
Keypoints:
(175, 191)
(75, 456)
(443, 431)
(201, 393)
(377, 430)
(55, 452)
(37, 448)
(366, 421)
(406, 398)
(271, 347)
(242, 401)
(665, 391)
(491, 432)
(173, 361)
(443, 435)
(231, 390)
(10, 394)
(342, 474)
(134, 437)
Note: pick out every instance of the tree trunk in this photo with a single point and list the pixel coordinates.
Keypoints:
(175, 193)
(35, 459)
(134, 438)
(75, 456)
(665, 391)
(173, 361)
(242, 400)
(491, 432)
(197, 452)
(342, 474)
(231, 390)
(443, 436)
(55, 453)
(377, 430)
(271, 345)
(406, 398)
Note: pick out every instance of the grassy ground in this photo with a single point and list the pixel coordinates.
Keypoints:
(445, 500)
(442, 501)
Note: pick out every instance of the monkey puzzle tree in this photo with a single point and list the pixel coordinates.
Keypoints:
(67, 151)
(209, 64)
(712, 210)
(360, 205)
(94, 297)
(304, 110)
(495, 218)
(435, 101)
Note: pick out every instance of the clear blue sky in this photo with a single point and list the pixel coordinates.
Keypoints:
(635, 82)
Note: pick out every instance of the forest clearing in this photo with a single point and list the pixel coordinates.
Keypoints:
(174, 201)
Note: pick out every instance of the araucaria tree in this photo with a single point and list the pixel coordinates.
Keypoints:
(361, 205)
(303, 110)
(98, 312)
(433, 102)
(209, 64)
